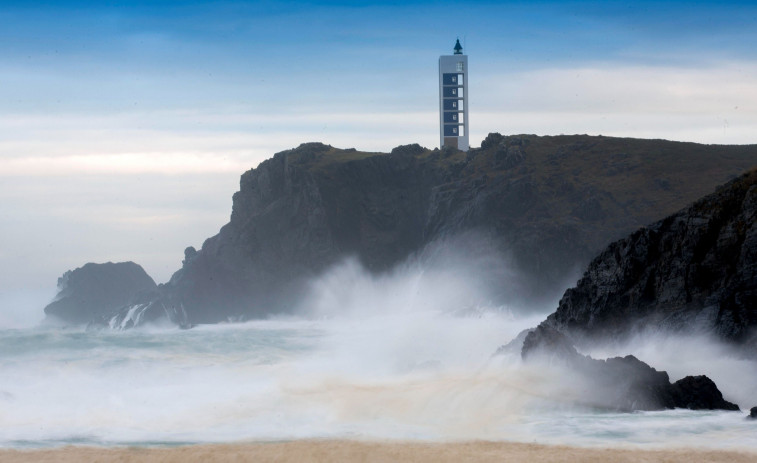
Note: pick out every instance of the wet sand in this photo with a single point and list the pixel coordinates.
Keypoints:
(371, 452)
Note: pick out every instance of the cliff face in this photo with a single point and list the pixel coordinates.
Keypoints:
(297, 214)
(695, 270)
(550, 202)
(93, 289)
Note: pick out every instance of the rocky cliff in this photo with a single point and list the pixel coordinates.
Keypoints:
(550, 203)
(694, 271)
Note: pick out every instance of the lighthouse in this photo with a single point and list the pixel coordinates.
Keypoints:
(453, 99)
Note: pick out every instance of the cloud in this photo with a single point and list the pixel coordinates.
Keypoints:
(188, 142)
(715, 104)
(712, 104)
(612, 88)
(122, 163)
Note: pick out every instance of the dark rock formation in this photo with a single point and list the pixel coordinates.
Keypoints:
(623, 383)
(753, 413)
(551, 203)
(95, 290)
(699, 393)
(694, 271)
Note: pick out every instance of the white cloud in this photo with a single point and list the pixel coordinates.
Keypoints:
(178, 143)
(122, 163)
(717, 104)
(626, 94)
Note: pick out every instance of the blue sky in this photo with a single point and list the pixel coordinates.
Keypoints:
(124, 125)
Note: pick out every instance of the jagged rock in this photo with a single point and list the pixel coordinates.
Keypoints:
(694, 271)
(492, 141)
(753, 413)
(189, 254)
(410, 150)
(95, 290)
(699, 393)
(622, 383)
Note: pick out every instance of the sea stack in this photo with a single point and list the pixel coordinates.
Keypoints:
(95, 290)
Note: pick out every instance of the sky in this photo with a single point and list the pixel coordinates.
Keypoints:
(125, 125)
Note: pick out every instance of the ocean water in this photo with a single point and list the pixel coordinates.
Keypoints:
(403, 355)
(414, 375)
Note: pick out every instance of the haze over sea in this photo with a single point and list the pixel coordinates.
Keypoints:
(391, 357)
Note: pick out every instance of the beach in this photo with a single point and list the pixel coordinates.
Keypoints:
(372, 452)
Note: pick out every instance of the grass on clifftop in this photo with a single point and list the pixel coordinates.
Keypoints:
(578, 179)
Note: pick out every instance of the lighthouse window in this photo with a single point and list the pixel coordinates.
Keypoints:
(451, 78)
(450, 104)
(460, 66)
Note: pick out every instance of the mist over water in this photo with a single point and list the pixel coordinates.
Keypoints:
(405, 355)
(465, 275)
(23, 308)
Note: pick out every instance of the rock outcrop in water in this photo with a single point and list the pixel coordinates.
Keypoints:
(550, 203)
(622, 383)
(86, 293)
(692, 272)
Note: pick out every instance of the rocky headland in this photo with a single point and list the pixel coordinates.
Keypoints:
(549, 204)
(693, 273)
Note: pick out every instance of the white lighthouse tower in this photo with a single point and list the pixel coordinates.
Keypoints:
(453, 99)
